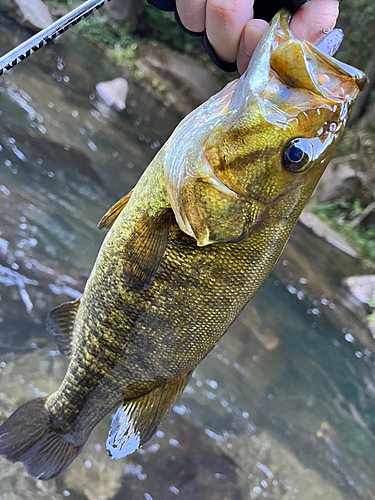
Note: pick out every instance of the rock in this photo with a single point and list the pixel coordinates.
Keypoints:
(256, 324)
(370, 322)
(22, 379)
(340, 180)
(358, 295)
(124, 12)
(96, 474)
(33, 13)
(190, 461)
(57, 9)
(187, 73)
(321, 229)
(114, 92)
(17, 485)
(361, 289)
(175, 78)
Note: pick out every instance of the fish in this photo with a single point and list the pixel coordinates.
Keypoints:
(187, 249)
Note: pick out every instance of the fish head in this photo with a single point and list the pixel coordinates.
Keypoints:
(275, 136)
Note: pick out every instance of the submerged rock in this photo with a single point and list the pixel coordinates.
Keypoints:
(188, 463)
(114, 92)
(258, 327)
(267, 469)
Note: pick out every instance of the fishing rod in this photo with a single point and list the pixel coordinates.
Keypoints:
(329, 43)
(45, 36)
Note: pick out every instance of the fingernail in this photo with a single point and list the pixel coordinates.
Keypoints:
(253, 33)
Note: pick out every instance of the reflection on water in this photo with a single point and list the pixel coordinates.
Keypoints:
(283, 408)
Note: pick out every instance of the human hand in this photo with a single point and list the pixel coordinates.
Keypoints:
(234, 33)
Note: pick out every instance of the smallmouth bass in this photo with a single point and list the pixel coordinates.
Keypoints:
(186, 250)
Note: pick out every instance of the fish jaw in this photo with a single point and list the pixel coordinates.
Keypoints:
(229, 173)
(302, 65)
(291, 91)
(278, 34)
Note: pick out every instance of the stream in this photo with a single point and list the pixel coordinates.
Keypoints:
(283, 408)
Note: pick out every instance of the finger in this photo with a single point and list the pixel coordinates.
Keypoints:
(225, 20)
(313, 17)
(250, 37)
(192, 14)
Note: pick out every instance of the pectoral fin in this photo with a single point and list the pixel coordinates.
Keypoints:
(60, 324)
(136, 421)
(108, 219)
(145, 249)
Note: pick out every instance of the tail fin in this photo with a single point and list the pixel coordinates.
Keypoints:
(28, 436)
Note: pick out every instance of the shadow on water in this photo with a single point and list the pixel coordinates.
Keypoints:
(283, 408)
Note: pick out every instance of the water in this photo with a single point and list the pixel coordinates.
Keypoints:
(282, 409)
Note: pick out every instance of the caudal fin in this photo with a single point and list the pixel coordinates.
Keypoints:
(28, 436)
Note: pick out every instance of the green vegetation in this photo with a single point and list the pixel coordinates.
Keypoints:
(347, 143)
(357, 147)
(161, 26)
(103, 30)
(337, 215)
(152, 25)
(358, 23)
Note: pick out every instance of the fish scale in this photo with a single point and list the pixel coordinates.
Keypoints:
(233, 268)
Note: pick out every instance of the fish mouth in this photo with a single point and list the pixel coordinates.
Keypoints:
(297, 64)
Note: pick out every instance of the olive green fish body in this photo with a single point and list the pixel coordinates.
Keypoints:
(186, 250)
(126, 343)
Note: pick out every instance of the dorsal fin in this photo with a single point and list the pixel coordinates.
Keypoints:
(137, 420)
(108, 219)
(60, 324)
(145, 248)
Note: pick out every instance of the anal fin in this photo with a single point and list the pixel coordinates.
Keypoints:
(137, 420)
(109, 218)
(145, 249)
(60, 324)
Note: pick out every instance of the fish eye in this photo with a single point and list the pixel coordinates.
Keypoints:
(297, 155)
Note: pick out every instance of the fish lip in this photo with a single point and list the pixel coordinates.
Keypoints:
(257, 74)
(346, 70)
